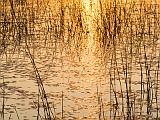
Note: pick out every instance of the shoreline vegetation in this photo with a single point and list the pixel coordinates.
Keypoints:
(124, 34)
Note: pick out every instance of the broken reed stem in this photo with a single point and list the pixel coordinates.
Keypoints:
(101, 111)
(99, 106)
(62, 106)
(38, 104)
(16, 112)
(3, 100)
(10, 116)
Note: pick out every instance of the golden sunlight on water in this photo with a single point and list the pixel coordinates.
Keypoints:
(89, 8)
(82, 86)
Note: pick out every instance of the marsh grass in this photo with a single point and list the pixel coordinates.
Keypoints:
(125, 33)
(139, 41)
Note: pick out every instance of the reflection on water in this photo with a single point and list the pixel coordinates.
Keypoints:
(77, 80)
(96, 59)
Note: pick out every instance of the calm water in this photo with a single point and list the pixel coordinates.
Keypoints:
(81, 65)
(77, 80)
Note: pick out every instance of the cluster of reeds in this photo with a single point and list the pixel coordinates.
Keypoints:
(17, 33)
(134, 64)
(128, 31)
(26, 26)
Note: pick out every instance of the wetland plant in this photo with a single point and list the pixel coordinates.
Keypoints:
(127, 32)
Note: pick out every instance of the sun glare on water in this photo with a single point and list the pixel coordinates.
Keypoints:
(89, 8)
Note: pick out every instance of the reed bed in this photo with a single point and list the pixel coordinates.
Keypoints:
(137, 55)
(126, 34)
